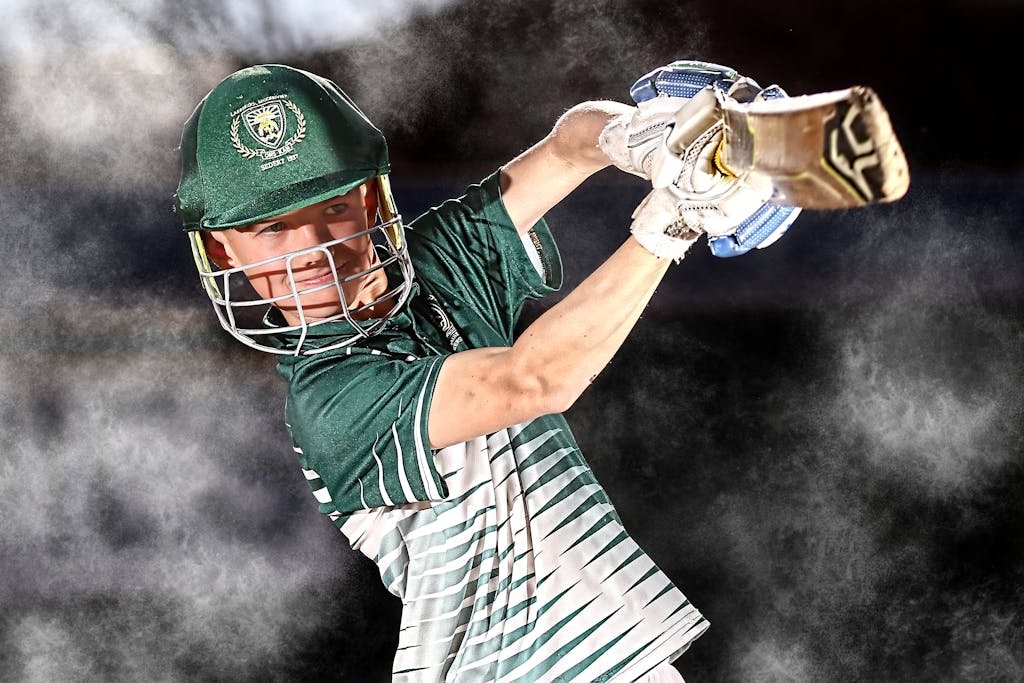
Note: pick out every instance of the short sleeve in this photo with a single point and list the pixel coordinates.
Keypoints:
(469, 250)
(359, 425)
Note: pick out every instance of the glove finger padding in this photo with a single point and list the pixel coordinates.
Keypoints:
(632, 141)
(682, 79)
(709, 199)
(761, 229)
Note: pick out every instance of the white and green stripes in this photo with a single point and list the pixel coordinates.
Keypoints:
(523, 573)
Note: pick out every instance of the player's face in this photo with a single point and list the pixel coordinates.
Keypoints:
(332, 219)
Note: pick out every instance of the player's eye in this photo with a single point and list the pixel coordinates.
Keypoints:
(271, 229)
(335, 209)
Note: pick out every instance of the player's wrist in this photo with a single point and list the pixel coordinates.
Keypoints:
(612, 143)
(658, 228)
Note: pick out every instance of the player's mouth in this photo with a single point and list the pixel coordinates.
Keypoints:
(316, 280)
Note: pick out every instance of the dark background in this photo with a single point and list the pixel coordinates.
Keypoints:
(821, 442)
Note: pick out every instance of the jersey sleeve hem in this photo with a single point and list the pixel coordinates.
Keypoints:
(437, 489)
(523, 252)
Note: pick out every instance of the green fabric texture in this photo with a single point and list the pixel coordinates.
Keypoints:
(511, 562)
(269, 139)
(350, 407)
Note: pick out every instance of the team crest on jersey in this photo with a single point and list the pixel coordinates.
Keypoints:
(260, 130)
(451, 333)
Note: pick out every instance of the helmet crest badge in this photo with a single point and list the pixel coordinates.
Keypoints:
(266, 121)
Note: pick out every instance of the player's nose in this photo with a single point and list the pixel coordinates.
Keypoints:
(307, 239)
(312, 234)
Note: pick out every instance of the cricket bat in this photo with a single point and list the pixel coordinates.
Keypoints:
(831, 150)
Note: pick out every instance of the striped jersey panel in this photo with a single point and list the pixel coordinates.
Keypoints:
(523, 573)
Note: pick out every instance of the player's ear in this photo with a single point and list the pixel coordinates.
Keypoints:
(216, 250)
(370, 200)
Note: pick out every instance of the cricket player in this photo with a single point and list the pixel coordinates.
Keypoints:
(430, 434)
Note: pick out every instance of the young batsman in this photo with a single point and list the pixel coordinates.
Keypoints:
(430, 435)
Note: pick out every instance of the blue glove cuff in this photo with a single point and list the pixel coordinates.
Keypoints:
(768, 221)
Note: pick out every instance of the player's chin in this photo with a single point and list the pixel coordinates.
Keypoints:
(324, 303)
(312, 306)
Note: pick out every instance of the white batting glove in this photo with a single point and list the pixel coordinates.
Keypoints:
(692, 193)
(658, 229)
(633, 139)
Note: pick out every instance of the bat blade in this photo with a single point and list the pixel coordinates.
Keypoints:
(832, 150)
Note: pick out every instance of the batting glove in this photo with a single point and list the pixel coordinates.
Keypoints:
(770, 221)
(638, 143)
(633, 141)
(699, 196)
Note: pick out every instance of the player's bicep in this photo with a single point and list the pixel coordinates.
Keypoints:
(537, 180)
(546, 173)
(479, 392)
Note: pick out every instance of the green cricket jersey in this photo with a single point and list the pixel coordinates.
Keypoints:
(511, 562)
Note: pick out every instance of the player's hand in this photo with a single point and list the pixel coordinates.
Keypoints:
(648, 144)
(766, 222)
(658, 228)
(699, 196)
(769, 222)
(633, 142)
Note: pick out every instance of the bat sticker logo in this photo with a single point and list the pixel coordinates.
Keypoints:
(851, 151)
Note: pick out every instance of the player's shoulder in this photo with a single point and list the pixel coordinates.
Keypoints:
(309, 377)
(303, 371)
(480, 199)
(343, 393)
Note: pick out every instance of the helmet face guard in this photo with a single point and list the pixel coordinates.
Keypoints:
(244, 313)
(268, 140)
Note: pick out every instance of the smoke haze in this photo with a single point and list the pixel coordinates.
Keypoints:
(821, 443)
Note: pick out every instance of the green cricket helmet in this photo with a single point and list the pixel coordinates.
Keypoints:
(268, 140)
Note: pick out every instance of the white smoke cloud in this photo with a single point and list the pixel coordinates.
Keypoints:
(153, 510)
(254, 27)
(929, 369)
(97, 91)
(768, 661)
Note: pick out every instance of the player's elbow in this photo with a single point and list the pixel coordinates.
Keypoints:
(574, 137)
(541, 392)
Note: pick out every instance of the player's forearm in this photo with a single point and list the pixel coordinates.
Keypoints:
(574, 340)
(546, 173)
(482, 390)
